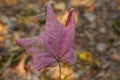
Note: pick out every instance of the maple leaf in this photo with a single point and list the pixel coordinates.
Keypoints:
(55, 45)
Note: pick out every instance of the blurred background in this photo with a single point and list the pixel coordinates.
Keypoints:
(97, 39)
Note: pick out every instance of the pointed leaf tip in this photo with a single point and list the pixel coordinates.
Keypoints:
(72, 9)
(49, 8)
(71, 18)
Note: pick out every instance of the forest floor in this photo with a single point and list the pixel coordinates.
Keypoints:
(97, 39)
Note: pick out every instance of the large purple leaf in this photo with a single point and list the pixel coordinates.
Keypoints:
(55, 45)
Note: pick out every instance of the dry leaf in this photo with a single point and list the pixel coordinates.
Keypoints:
(85, 3)
(1, 40)
(60, 6)
(86, 56)
(9, 2)
(1, 28)
(1, 34)
(88, 4)
(21, 66)
(116, 56)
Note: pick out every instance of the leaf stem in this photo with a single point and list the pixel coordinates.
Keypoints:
(59, 70)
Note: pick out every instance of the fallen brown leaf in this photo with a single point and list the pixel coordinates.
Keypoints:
(21, 65)
(116, 56)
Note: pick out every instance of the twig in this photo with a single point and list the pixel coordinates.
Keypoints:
(40, 15)
(7, 64)
(89, 35)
